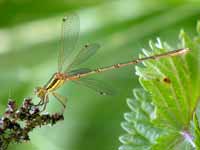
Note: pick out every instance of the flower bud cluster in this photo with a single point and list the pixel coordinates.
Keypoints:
(17, 123)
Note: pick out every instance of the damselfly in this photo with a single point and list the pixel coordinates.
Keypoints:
(69, 37)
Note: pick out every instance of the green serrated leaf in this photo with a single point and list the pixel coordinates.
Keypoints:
(173, 84)
(141, 131)
(196, 132)
(130, 147)
(176, 90)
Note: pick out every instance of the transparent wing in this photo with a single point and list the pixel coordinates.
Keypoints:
(86, 52)
(69, 36)
(78, 71)
(96, 85)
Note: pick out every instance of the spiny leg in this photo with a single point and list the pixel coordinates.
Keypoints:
(61, 99)
(41, 102)
(45, 102)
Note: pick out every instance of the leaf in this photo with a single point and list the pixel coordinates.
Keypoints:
(141, 131)
(173, 85)
(196, 132)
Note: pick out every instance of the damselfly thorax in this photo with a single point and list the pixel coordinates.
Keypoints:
(55, 82)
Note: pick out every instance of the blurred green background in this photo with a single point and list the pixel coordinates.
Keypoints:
(29, 42)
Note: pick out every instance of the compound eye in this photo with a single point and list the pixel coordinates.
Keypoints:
(37, 89)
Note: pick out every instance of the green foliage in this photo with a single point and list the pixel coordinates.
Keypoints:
(196, 132)
(173, 84)
(141, 131)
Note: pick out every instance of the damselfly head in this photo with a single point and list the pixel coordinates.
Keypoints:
(40, 92)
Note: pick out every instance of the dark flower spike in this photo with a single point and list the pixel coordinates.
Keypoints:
(18, 122)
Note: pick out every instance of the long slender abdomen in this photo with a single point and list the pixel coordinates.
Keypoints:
(132, 62)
